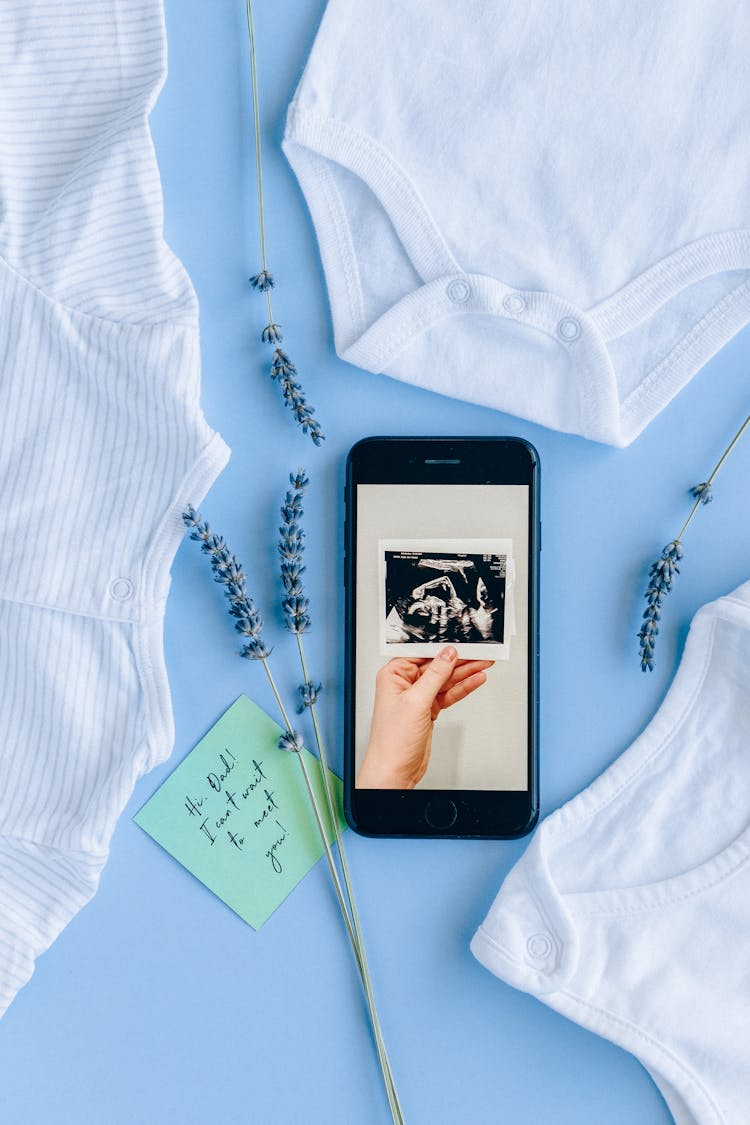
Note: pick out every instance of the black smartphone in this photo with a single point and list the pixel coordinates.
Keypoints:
(442, 551)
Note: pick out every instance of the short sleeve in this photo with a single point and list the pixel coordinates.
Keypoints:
(80, 193)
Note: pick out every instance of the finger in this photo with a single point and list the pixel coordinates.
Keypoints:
(391, 666)
(461, 663)
(434, 677)
(402, 664)
(466, 668)
(461, 690)
(397, 673)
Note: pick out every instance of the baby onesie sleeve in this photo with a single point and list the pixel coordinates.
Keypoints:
(103, 444)
(80, 195)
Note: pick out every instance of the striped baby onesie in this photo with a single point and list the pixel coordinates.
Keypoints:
(102, 444)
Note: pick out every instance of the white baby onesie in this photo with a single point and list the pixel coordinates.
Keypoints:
(534, 205)
(630, 910)
(102, 444)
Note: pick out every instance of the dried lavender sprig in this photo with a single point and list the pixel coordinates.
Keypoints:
(291, 741)
(385, 1065)
(228, 571)
(664, 571)
(661, 579)
(297, 619)
(291, 546)
(285, 372)
(699, 491)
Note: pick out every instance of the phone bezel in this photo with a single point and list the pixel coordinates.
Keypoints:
(483, 814)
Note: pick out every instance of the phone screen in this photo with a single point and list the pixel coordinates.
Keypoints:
(439, 564)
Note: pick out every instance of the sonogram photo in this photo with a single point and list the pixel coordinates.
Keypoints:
(444, 592)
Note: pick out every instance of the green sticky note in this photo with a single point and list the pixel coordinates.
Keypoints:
(237, 813)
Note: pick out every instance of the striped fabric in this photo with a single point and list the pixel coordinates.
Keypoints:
(102, 444)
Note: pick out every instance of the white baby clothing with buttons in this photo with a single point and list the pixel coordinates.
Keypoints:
(630, 910)
(102, 444)
(537, 206)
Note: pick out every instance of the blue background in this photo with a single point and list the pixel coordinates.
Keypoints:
(157, 1004)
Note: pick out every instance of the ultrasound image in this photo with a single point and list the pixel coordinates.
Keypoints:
(444, 597)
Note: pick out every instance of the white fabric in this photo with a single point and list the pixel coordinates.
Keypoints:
(102, 444)
(630, 910)
(537, 206)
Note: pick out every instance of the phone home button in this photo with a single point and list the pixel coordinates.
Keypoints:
(440, 812)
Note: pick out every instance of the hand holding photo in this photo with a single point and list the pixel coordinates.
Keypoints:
(410, 695)
(451, 591)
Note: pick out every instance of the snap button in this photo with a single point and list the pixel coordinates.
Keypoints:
(458, 290)
(539, 947)
(121, 589)
(569, 329)
(514, 303)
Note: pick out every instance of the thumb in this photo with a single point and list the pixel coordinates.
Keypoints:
(434, 678)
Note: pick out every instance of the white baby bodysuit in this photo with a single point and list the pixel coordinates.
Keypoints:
(534, 205)
(630, 910)
(102, 444)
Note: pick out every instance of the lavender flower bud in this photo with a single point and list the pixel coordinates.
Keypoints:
(290, 741)
(256, 650)
(309, 693)
(262, 281)
(702, 492)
